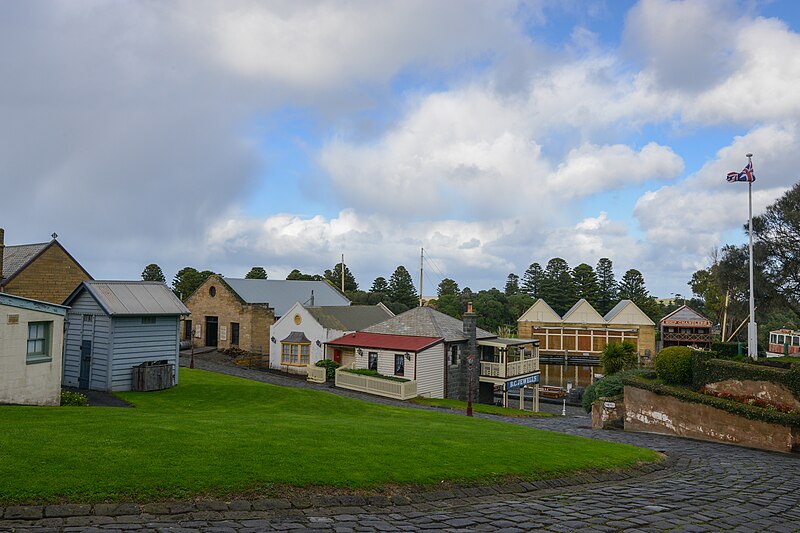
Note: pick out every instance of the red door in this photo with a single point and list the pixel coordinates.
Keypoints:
(337, 356)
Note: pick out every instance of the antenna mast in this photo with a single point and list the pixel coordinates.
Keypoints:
(342, 273)
(421, 256)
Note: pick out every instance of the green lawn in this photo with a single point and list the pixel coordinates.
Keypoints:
(220, 435)
(479, 407)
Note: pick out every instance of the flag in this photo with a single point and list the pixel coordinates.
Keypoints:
(746, 174)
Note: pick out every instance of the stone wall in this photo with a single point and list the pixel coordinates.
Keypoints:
(652, 413)
(764, 390)
(51, 277)
(608, 413)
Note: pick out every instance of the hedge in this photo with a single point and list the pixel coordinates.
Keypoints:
(728, 350)
(609, 386)
(706, 370)
(674, 365)
(744, 410)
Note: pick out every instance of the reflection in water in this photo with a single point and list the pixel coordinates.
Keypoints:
(579, 375)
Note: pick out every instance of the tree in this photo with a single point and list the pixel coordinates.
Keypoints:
(586, 285)
(187, 280)
(532, 280)
(296, 275)
(490, 306)
(380, 285)
(152, 272)
(447, 287)
(335, 277)
(256, 273)
(632, 287)
(449, 304)
(618, 356)
(401, 288)
(512, 284)
(606, 286)
(558, 288)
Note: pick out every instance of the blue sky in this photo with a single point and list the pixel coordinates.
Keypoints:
(492, 133)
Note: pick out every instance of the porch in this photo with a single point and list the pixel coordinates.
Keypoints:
(506, 358)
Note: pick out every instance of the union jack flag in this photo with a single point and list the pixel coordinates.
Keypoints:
(746, 174)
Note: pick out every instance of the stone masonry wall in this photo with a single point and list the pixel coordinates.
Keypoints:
(652, 413)
(764, 390)
(50, 278)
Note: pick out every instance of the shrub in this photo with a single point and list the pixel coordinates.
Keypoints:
(729, 350)
(374, 374)
(618, 356)
(609, 386)
(330, 367)
(674, 365)
(73, 399)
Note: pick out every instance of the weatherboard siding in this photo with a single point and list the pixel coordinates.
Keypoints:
(77, 330)
(136, 343)
(430, 371)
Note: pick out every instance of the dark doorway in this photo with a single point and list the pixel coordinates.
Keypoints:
(212, 326)
(86, 364)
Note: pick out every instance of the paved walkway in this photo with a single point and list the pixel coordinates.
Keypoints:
(706, 487)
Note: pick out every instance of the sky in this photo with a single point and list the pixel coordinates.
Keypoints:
(493, 134)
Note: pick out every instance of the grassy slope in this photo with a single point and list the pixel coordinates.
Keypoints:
(480, 408)
(220, 434)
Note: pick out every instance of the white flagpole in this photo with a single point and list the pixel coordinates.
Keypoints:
(752, 329)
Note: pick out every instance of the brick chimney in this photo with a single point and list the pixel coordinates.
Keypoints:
(470, 320)
(2, 249)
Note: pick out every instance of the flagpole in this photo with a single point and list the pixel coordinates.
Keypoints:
(752, 329)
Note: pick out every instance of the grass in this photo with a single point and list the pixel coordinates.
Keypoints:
(219, 435)
(478, 408)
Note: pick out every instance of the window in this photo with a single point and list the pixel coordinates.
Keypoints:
(212, 291)
(294, 354)
(235, 333)
(87, 319)
(795, 341)
(373, 361)
(39, 342)
(454, 355)
(187, 330)
(399, 364)
(780, 339)
(148, 320)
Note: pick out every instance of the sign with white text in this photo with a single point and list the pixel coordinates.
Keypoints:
(522, 382)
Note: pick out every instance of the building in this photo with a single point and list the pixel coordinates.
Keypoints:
(300, 334)
(685, 327)
(231, 312)
(113, 326)
(582, 332)
(431, 351)
(31, 341)
(783, 342)
(42, 271)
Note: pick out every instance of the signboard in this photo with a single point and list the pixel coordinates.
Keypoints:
(521, 382)
(223, 333)
(699, 323)
(197, 331)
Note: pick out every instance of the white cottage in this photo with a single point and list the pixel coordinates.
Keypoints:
(298, 338)
(31, 341)
(113, 326)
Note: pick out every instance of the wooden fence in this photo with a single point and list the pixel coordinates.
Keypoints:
(152, 377)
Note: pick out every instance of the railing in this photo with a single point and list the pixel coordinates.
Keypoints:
(380, 387)
(514, 368)
(692, 337)
(316, 374)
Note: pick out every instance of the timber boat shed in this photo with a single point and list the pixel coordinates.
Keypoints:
(114, 326)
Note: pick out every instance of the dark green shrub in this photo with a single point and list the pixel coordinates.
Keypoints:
(610, 386)
(374, 374)
(674, 365)
(729, 350)
(618, 356)
(330, 367)
(73, 399)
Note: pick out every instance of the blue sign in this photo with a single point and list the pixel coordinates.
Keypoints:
(521, 382)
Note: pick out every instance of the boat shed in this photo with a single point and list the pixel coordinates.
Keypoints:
(114, 326)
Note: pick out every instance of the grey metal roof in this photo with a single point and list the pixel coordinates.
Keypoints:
(132, 298)
(426, 322)
(281, 294)
(297, 337)
(615, 310)
(349, 317)
(16, 257)
(685, 313)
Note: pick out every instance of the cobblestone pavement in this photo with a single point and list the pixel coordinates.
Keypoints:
(705, 487)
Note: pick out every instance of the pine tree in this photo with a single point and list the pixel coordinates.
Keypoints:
(187, 280)
(380, 285)
(447, 287)
(532, 280)
(586, 285)
(632, 287)
(607, 286)
(558, 287)
(296, 275)
(335, 277)
(512, 284)
(401, 288)
(256, 273)
(153, 272)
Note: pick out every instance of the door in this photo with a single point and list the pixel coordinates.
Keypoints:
(212, 326)
(86, 364)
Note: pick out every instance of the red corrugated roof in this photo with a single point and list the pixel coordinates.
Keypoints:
(406, 343)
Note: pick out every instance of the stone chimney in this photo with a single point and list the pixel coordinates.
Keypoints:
(470, 320)
(2, 249)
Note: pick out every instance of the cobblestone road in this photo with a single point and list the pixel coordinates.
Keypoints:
(707, 487)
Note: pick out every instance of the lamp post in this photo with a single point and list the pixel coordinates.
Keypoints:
(470, 363)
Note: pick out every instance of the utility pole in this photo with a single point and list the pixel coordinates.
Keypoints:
(421, 257)
(752, 328)
(342, 273)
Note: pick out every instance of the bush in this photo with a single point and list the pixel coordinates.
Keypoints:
(330, 367)
(73, 399)
(618, 356)
(374, 374)
(729, 350)
(674, 365)
(609, 386)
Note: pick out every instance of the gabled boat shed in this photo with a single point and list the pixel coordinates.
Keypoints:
(113, 326)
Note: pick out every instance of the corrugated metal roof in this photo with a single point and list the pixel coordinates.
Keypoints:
(616, 309)
(685, 313)
(426, 322)
(282, 294)
(16, 257)
(405, 343)
(297, 337)
(349, 317)
(133, 298)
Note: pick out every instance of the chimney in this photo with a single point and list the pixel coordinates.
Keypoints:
(473, 367)
(470, 320)
(2, 249)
